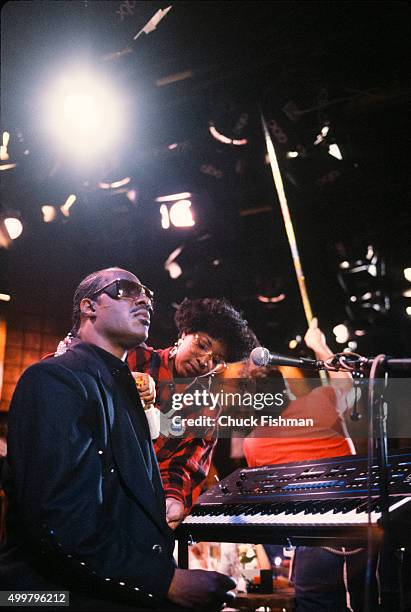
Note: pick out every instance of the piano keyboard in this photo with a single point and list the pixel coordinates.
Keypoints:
(341, 512)
(303, 502)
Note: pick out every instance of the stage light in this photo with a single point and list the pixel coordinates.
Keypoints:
(165, 217)
(65, 208)
(84, 114)
(49, 213)
(174, 197)
(291, 154)
(321, 137)
(132, 195)
(408, 311)
(359, 332)
(407, 274)
(4, 156)
(225, 139)
(271, 300)
(115, 184)
(352, 345)
(181, 214)
(172, 267)
(5, 297)
(277, 561)
(341, 333)
(407, 293)
(14, 227)
(344, 265)
(293, 344)
(334, 151)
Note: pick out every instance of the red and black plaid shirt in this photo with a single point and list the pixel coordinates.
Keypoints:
(184, 462)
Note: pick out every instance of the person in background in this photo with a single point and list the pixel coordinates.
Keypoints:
(325, 578)
(210, 334)
(86, 509)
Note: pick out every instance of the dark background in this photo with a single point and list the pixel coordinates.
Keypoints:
(345, 64)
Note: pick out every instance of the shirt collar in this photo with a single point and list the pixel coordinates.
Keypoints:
(111, 361)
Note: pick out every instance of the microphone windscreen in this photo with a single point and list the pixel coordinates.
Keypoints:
(260, 356)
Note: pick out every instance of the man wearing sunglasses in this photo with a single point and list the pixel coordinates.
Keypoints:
(86, 505)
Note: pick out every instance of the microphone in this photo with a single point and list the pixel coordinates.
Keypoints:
(261, 356)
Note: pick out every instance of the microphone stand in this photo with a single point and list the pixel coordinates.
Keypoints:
(358, 367)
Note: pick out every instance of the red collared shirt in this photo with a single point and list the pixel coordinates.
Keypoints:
(184, 462)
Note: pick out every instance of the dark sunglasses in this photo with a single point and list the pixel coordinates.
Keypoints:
(123, 288)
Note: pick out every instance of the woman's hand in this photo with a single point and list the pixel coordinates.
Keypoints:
(315, 340)
(146, 388)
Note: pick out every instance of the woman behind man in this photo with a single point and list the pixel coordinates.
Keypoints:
(210, 333)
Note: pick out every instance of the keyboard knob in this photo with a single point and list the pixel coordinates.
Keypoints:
(243, 476)
(224, 489)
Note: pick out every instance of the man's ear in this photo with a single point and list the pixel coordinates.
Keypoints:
(87, 307)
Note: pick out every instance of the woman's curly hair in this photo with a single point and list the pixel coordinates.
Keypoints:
(220, 320)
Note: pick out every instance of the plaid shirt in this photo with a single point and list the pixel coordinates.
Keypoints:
(184, 462)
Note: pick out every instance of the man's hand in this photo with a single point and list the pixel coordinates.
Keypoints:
(174, 512)
(201, 590)
(146, 388)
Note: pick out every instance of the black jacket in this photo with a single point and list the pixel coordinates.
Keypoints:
(86, 507)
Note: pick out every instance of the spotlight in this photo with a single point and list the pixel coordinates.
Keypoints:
(115, 184)
(277, 561)
(225, 139)
(49, 213)
(65, 208)
(14, 227)
(181, 214)
(165, 217)
(173, 268)
(407, 274)
(4, 156)
(174, 197)
(178, 214)
(5, 297)
(362, 276)
(10, 228)
(408, 311)
(84, 114)
(334, 151)
(291, 154)
(271, 300)
(132, 195)
(341, 333)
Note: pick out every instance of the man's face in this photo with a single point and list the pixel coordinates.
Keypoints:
(123, 321)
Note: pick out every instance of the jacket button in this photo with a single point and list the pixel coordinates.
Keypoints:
(158, 549)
